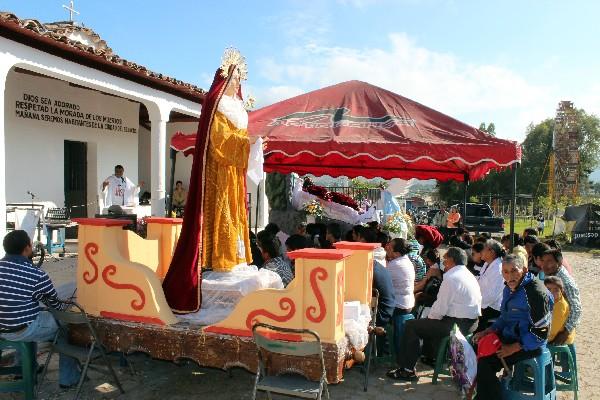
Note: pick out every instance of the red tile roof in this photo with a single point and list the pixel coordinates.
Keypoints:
(54, 38)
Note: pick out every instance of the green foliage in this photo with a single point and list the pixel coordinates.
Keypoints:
(536, 150)
(589, 146)
(532, 174)
(275, 185)
(490, 128)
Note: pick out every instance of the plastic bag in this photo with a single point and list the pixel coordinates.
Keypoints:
(463, 361)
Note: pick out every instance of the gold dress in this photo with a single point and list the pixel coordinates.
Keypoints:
(225, 240)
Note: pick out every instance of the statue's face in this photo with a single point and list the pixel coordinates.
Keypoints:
(234, 84)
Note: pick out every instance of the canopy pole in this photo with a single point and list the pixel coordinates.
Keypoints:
(513, 199)
(173, 156)
(257, 207)
(464, 210)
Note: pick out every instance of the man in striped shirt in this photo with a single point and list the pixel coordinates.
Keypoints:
(22, 288)
(552, 266)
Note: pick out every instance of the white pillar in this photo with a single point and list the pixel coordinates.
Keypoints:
(159, 116)
(5, 66)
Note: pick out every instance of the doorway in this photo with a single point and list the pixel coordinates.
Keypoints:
(75, 156)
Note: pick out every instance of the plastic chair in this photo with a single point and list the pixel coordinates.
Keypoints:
(540, 386)
(86, 356)
(56, 220)
(28, 369)
(442, 358)
(289, 385)
(568, 374)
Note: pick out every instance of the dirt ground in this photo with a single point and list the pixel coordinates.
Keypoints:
(155, 379)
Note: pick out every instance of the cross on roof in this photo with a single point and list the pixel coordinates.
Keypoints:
(71, 9)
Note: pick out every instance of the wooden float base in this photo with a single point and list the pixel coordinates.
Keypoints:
(187, 341)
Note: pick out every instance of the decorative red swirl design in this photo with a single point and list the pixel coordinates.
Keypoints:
(285, 303)
(110, 270)
(319, 273)
(340, 298)
(90, 250)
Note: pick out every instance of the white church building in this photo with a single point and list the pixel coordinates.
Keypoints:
(72, 110)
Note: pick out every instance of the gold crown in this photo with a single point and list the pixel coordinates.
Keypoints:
(232, 56)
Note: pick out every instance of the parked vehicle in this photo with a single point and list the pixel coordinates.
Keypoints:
(431, 215)
(480, 218)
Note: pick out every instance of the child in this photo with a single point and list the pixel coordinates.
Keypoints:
(561, 309)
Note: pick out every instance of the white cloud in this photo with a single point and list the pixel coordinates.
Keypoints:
(483, 92)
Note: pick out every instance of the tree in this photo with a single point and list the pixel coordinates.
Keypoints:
(490, 128)
(589, 145)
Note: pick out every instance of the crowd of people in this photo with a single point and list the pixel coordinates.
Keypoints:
(522, 300)
(526, 298)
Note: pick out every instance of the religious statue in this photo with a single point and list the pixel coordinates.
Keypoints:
(215, 229)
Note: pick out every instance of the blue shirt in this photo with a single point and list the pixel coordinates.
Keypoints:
(22, 287)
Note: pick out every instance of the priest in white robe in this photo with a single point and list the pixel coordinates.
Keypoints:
(119, 190)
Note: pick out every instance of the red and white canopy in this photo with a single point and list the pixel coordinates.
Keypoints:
(357, 129)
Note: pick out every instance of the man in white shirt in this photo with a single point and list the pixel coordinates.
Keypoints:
(119, 190)
(491, 282)
(458, 302)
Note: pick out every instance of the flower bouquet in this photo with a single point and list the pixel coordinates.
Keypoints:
(313, 209)
(396, 225)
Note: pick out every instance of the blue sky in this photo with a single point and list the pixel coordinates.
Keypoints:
(507, 62)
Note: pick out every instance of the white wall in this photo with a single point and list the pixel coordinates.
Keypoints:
(34, 148)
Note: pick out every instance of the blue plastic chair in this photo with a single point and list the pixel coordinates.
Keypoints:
(539, 386)
(27, 369)
(564, 357)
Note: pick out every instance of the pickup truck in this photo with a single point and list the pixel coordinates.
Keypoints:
(480, 218)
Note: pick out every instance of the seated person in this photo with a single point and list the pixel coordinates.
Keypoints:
(522, 326)
(475, 260)
(256, 253)
(529, 232)
(483, 237)
(518, 246)
(561, 309)
(382, 282)
(458, 302)
(417, 260)
(270, 250)
(537, 252)
(274, 230)
(369, 235)
(179, 195)
(529, 242)
(356, 230)
(22, 288)
(426, 290)
(491, 282)
(555, 245)
(333, 235)
(296, 242)
(552, 266)
(402, 271)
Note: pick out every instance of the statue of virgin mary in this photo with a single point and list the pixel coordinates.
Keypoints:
(215, 228)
